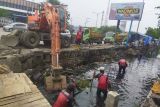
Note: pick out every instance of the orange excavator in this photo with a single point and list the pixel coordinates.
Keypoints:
(49, 21)
(40, 28)
(50, 16)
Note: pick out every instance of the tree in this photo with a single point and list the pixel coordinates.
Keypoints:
(55, 2)
(155, 32)
(4, 13)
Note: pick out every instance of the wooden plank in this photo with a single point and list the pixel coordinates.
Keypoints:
(36, 103)
(20, 98)
(24, 97)
(40, 103)
(16, 96)
(12, 84)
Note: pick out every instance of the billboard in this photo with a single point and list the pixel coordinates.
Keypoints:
(126, 11)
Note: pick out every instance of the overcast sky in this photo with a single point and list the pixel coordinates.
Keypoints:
(82, 10)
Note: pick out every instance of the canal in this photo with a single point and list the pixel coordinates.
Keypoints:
(133, 87)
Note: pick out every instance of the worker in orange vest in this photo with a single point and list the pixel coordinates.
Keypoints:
(65, 98)
(122, 66)
(102, 87)
(79, 36)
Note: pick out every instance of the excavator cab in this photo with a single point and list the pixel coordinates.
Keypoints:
(38, 21)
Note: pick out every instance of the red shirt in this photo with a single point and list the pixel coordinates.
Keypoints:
(62, 100)
(103, 82)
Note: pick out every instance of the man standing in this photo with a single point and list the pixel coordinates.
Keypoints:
(79, 36)
(122, 66)
(102, 86)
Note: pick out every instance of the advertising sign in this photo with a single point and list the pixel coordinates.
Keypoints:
(126, 11)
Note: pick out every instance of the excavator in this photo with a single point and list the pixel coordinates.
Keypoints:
(46, 25)
(38, 30)
(55, 81)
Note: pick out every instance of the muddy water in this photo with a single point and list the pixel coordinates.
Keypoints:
(133, 87)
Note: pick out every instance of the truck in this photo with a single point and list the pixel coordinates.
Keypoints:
(92, 35)
(39, 30)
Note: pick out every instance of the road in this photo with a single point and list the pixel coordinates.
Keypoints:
(2, 32)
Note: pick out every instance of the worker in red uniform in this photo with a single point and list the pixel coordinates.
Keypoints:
(122, 66)
(65, 98)
(102, 87)
(79, 36)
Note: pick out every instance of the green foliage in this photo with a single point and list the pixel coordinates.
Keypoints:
(155, 32)
(4, 13)
(55, 2)
(105, 29)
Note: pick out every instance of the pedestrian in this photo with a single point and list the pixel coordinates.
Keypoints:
(79, 36)
(65, 98)
(102, 87)
(122, 66)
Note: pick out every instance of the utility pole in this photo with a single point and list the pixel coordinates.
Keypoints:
(141, 18)
(97, 20)
(107, 13)
(87, 20)
(102, 18)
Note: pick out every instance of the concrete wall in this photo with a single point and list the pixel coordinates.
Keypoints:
(29, 59)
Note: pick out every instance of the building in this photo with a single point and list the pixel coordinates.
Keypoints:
(19, 8)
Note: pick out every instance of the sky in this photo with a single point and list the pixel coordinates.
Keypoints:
(84, 12)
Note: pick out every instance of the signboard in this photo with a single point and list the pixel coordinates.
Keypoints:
(126, 11)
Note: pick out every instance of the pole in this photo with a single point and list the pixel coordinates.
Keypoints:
(107, 13)
(97, 20)
(129, 33)
(140, 19)
(102, 18)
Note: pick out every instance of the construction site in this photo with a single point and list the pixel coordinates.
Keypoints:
(44, 63)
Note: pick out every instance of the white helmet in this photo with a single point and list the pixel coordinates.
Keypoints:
(101, 68)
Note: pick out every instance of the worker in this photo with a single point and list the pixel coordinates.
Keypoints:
(79, 36)
(75, 86)
(102, 86)
(122, 66)
(65, 98)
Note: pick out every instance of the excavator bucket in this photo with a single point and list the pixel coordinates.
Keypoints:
(11, 39)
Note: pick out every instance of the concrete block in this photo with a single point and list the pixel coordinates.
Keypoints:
(112, 99)
(55, 83)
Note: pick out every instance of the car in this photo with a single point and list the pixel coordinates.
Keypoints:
(65, 38)
(16, 25)
(109, 37)
(66, 33)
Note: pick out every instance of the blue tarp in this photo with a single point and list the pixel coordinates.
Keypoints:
(135, 36)
(147, 40)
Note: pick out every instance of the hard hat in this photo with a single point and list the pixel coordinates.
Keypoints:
(101, 68)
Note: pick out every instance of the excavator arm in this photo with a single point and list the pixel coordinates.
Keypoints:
(52, 17)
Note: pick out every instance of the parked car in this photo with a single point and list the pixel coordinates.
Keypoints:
(66, 33)
(65, 38)
(109, 37)
(16, 25)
